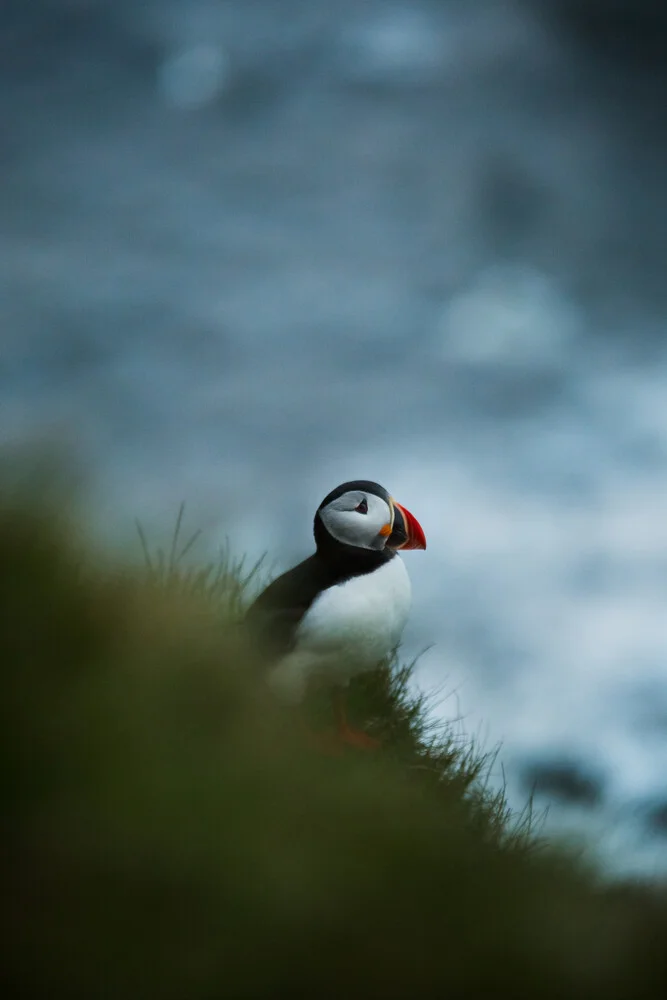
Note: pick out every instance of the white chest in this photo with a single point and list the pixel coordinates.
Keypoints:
(349, 628)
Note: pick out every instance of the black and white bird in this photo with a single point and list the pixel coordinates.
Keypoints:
(341, 611)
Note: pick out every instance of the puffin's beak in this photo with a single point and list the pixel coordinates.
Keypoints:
(407, 532)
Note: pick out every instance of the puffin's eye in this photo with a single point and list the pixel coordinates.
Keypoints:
(362, 508)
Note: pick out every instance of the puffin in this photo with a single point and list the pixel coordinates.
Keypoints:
(342, 610)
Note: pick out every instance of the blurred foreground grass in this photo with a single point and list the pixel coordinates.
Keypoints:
(169, 831)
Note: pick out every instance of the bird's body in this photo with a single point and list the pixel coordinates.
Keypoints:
(350, 627)
(342, 610)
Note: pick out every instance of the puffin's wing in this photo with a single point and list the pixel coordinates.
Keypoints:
(274, 616)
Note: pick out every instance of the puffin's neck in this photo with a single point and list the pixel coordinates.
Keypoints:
(347, 560)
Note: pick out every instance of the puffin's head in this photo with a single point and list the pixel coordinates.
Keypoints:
(363, 515)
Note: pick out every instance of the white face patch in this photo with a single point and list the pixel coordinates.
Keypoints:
(356, 518)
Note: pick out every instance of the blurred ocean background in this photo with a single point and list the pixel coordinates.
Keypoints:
(253, 248)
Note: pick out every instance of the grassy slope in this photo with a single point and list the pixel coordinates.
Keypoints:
(168, 832)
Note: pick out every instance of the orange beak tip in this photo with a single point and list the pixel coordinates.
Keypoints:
(416, 539)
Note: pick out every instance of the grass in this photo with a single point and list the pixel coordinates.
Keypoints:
(383, 702)
(168, 832)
